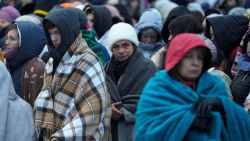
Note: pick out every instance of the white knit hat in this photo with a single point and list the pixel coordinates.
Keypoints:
(121, 31)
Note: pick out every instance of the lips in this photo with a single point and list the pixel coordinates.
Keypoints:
(56, 45)
(194, 71)
(6, 48)
(122, 58)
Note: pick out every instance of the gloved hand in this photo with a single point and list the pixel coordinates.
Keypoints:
(201, 124)
(202, 109)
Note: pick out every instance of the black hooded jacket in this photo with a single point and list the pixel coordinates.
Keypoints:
(182, 2)
(228, 31)
(102, 19)
(123, 10)
(67, 22)
(177, 11)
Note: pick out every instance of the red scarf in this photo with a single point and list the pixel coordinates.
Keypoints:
(190, 84)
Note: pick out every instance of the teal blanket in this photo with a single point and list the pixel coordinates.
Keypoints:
(164, 112)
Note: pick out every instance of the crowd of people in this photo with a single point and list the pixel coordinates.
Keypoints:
(125, 70)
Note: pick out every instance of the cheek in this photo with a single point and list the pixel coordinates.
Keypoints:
(134, 4)
(142, 38)
(182, 69)
(154, 39)
(248, 47)
(200, 66)
(4, 24)
(183, 73)
(231, 3)
(91, 23)
(130, 51)
(54, 38)
(59, 38)
(90, 20)
(114, 52)
(13, 45)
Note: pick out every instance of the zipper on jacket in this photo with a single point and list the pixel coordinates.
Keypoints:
(245, 77)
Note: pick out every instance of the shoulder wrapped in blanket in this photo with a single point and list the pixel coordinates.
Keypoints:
(165, 111)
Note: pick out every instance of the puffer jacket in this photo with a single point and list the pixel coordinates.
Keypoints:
(240, 86)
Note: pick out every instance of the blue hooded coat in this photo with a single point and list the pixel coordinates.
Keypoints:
(150, 19)
(32, 40)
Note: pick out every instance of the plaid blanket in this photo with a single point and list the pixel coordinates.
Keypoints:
(74, 103)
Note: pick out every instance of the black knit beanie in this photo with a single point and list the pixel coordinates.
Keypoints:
(42, 7)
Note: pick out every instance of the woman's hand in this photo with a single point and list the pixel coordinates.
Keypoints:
(116, 113)
(202, 109)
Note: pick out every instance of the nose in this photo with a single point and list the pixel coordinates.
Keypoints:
(53, 38)
(196, 60)
(7, 41)
(120, 50)
(148, 40)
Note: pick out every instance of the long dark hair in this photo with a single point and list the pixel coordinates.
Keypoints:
(48, 25)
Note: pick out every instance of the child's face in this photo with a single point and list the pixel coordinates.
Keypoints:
(148, 36)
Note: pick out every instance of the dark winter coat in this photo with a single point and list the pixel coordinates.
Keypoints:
(228, 31)
(177, 11)
(241, 84)
(102, 19)
(241, 87)
(32, 42)
(32, 79)
(128, 89)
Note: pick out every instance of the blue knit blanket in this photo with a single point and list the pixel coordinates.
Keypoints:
(164, 112)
